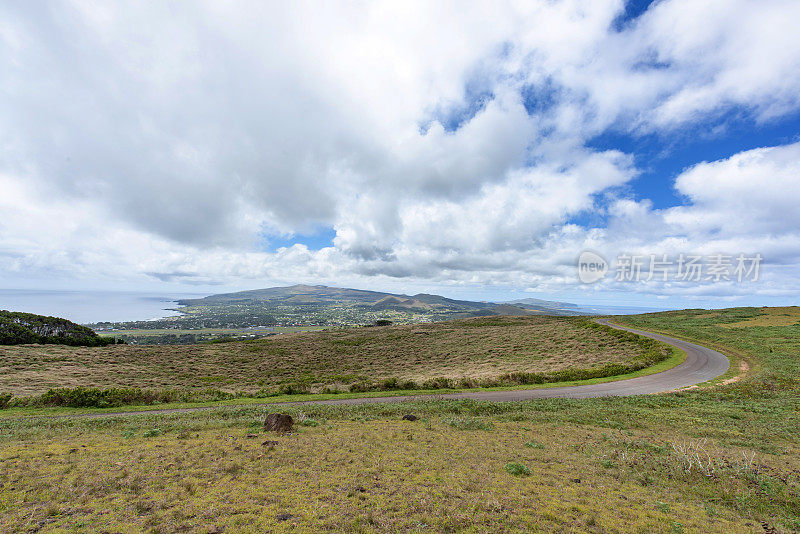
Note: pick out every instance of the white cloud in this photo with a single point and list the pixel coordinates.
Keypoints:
(755, 192)
(165, 138)
(731, 53)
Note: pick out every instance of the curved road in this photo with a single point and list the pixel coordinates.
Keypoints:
(702, 364)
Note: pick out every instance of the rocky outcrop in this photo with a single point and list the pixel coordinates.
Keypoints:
(278, 422)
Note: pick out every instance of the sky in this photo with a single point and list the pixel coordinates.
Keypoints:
(470, 149)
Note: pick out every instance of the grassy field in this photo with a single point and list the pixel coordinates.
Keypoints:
(363, 470)
(474, 349)
(714, 459)
(785, 316)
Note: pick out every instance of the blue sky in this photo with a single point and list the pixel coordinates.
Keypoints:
(662, 158)
(468, 149)
(318, 239)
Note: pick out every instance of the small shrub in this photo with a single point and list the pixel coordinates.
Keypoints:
(408, 384)
(608, 464)
(439, 383)
(153, 432)
(389, 383)
(83, 397)
(293, 389)
(359, 388)
(466, 383)
(309, 422)
(533, 444)
(5, 400)
(523, 378)
(517, 469)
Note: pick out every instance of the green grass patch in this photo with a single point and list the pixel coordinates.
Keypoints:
(517, 469)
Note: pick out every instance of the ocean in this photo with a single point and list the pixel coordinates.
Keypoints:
(93, 306)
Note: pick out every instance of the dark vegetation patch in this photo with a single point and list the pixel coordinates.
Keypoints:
(18, 328)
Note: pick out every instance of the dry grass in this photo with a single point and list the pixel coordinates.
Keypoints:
(345, 476)
(780, 316)
(475, 348)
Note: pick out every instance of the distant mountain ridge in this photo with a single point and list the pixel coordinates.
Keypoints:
(318, 295)
(545, 303)
(298, 293)
(323, 306)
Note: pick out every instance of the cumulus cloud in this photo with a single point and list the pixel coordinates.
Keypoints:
(755, 192)
(444, 142)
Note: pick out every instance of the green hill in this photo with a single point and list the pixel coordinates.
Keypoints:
(317, 305)
(322, 305)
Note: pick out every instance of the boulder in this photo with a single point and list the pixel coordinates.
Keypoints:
(410, 417)
(278, 422)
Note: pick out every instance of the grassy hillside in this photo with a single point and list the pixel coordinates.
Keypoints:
(483, 351)
(765, 340)
(711, 459)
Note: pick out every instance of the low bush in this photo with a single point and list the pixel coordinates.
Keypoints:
(293, 389)
(389, 383)
(439, 383)
(83, 397)
(5, 400)
(517, 469)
